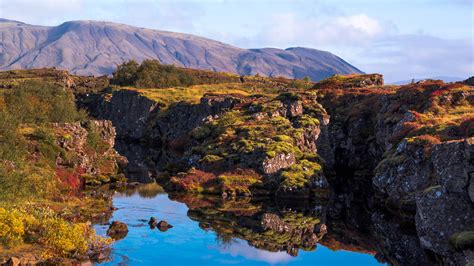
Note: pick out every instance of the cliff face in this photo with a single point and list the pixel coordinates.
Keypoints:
(224, 137)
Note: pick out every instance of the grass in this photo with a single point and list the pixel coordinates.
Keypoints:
(191, 94)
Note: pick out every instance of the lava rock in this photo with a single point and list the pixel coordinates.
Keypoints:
(152, 222)
(117, 230)
(164, 226)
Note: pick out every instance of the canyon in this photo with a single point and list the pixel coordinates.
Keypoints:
(392, 166)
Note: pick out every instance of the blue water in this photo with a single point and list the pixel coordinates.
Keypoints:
(187, 244)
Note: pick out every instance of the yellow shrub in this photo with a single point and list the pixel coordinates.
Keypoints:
(12, 229)
(64, 238)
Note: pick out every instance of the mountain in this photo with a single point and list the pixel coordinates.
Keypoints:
(96, 47)
(443, 78)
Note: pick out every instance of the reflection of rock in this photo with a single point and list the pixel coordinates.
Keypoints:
(398, 244)
(263, 226)
(117, 230)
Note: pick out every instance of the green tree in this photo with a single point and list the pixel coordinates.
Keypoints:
(126, 74)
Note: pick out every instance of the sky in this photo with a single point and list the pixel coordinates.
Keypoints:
(402, 39)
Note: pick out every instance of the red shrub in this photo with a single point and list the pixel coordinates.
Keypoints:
(70, 179)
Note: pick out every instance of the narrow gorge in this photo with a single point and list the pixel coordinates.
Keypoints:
(380, 155)
(279, 165)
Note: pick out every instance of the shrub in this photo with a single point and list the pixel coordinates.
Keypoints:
(64, 238)
(211, 159)
(12, 144)
(41, 102)
(126, 74)
(152, 74)
(12, 229)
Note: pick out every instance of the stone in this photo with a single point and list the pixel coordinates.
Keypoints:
(152, 222)
(439, 215)
(163, 226)
(117, 230)
(272, 165)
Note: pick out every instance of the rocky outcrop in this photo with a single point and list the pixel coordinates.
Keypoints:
(90, 149)
(127, 109)
(280, 161)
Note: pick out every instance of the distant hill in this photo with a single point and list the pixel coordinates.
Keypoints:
(96, 47)
(445, 79)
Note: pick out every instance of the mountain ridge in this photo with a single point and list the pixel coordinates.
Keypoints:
(89, 47)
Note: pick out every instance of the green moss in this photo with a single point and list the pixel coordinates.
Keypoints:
(211, 159)
(307, 121)
(279, 147)
(200, 133)
(463, 240)
(299, 173)
(391, 160)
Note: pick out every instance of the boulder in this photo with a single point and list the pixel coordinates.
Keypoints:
(163, 226)
(152, 222)
(117, 230)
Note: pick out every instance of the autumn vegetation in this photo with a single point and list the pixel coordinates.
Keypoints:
(36, 197)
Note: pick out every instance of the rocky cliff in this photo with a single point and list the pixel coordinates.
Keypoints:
(407, 149)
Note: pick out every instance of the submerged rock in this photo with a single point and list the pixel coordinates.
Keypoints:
(152, 222)
(117, 230)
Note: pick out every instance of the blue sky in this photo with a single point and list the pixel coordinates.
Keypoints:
(401, 39)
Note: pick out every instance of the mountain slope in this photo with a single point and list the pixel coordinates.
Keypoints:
(94, 48)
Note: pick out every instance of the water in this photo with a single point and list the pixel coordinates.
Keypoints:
(218, 234)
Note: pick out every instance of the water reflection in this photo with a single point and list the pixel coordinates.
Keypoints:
(212, 231)
(264, 225)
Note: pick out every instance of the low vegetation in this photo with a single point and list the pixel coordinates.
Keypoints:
(152, 74)
(37, 196)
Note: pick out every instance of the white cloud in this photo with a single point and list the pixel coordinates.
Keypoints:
(362, 23)
(288, 29)
(402, 57)
(240, 248)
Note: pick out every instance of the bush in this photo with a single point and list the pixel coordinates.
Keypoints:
(12, 229)
(12, 144)
(152, 74)
(64, 238)
(41, 102)
(126, 74)
(56, 235)
(94, 140)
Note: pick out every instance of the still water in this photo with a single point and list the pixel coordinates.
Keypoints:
(206, 232)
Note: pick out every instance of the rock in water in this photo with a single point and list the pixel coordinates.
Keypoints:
(152, 222)
(164, 226)
(117, 230)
